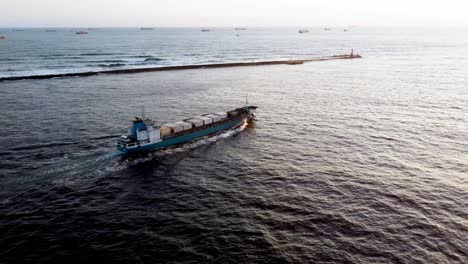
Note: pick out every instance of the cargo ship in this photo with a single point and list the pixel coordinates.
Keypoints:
(146, 135)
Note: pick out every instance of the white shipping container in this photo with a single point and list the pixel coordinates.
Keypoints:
(185, 125)
(222, 114)
(215, 118)
(177, 128)
(195, 122)
(206, 120)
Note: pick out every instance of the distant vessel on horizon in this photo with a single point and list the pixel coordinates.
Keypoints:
(2, 37)
(205, 30)
(240, 28)
(50, 30)
(327, 29)
(303, 31)
(81, 32)
(146, 28)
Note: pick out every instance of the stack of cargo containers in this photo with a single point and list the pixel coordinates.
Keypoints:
(195, 122)
(165, 130)
(171, 128)
(222, 115)
(185, 125)
(206, 120)
(214, 117)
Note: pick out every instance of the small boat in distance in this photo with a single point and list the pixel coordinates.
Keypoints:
(147, 135)
(81, 32)
(146, 28)
(303, 31)
(50, 30)
(240, 28)
(2, 37)
(205, 30)
(326, 29)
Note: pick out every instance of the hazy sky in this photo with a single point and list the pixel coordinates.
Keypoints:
(200, 13)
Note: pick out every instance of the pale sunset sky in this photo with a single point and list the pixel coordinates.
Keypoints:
(261, 13)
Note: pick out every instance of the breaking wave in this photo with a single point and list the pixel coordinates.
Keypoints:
(154, 59)
(112, 65)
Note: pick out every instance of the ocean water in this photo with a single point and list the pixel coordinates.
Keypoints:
(350, 161)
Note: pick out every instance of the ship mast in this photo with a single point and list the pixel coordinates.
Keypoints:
(142, 112)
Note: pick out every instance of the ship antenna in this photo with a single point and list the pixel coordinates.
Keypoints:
(142, 112)
(246, 99)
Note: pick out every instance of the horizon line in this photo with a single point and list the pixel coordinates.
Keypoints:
(246, 26)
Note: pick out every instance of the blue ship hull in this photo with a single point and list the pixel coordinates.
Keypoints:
(183, 138)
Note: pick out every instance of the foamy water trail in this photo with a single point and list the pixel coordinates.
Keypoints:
(206, 140)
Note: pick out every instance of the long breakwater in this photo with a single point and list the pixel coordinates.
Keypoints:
(181, 67)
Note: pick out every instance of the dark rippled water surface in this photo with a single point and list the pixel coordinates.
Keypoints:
(351, 161)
